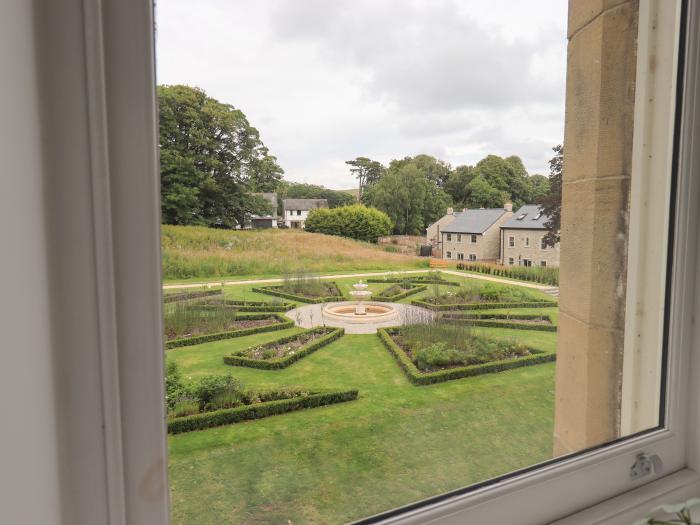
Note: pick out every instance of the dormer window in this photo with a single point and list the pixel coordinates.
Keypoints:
(537, 216)
(521, 216)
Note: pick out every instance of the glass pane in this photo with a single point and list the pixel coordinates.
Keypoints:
(408, 247)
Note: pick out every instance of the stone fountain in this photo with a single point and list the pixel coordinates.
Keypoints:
(360, 293)
(361, 310)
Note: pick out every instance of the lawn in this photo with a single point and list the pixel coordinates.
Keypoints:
(396, 444)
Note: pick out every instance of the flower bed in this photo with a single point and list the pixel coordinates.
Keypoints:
(245, 306)
(330, 293)
(186, 296)
(542, 322)
(282, 352)
(399, 291)
(277, 322)
(419, 377)
(484, 306)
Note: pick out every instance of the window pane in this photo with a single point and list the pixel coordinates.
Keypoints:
(331, 354)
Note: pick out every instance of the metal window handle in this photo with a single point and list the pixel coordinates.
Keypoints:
(644, 465)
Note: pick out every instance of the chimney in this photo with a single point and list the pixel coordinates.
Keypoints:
(450, 211)
(508, 206)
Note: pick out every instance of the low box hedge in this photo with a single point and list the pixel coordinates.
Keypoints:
(484, 316)
(484, 306)
(247, 306)
(416, 280)
(506, 324)
(284, 362)
(273, 290)
(171, 298)
(419, 378)
(397, 297)
(258, 410)
(284, 323)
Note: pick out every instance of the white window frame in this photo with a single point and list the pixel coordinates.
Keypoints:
(526, 242)
(511, 241)
(511, 261)
(473, 238)
(449, 237)
(113, 56)
(448, 255)
(459, 237)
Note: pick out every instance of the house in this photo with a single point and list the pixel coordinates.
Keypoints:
(295, 211)
(434, 231)
(266, 221)
(474, 235)
(522, 239)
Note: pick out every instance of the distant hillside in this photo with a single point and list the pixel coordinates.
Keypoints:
(199, 252)
(354, 192)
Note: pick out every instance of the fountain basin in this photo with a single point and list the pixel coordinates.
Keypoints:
(346, 312)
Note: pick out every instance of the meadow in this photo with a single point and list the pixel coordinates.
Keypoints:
(193, 252)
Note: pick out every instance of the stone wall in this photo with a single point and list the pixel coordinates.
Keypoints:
(534, 252)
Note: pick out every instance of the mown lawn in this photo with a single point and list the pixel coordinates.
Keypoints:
(396, 444)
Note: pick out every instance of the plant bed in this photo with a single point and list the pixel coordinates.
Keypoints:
(541, 322)
(405, 358)
(247, 326)
(399, 291)
(245, 306)
(419, 279)
(186, 296)
(328, 293)
(282, 352)
(484, 306)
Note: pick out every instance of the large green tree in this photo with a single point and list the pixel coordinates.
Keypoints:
(211, 159)
(409, 198)
(438, 171)
(356, 221)
(366, 171)
(294, 190)
(551, 202)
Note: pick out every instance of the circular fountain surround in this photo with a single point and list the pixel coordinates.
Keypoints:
(347, 312)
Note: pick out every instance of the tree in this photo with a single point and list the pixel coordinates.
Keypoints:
(211, 159)
(481, 194)
(551, 202)
(538, 187)
(456, 185)
(506, 175)
(356, 221)
(366, 171)
(409, 198)
(294, 190)
(436, 170)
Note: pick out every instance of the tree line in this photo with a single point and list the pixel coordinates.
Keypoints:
(213, 161)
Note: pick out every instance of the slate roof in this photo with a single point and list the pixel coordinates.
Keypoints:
(528, 217)
(304, 204)
(474, 221)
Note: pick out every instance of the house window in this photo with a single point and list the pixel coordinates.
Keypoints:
(510, 261)
(448, 255)
(459, 237)
(298, 212)
(511, 242)
(460, 256)
(544, 244)
(472, 257)
(527, 241)
(449, 237)
(543, 264)
(473, 238)
(527, 263)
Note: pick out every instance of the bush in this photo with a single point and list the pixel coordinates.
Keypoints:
(356, 222)
(278, 291)
(547, 275)
(284, 362)
(257, 411)
(186, 296)
(209, 387)
(284, 322)
(245, 306)
(484, 306)
(419, 378)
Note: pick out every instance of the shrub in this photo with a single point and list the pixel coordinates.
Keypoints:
(209, 387)
(279, 292)
(356, 222)
(545, 275)
(275, 305)
(186, 296)
(184, 406)
(257, 410)
(484, 306)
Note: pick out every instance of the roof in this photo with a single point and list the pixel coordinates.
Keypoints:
(474, 221)
(528, 217)
(304, 204)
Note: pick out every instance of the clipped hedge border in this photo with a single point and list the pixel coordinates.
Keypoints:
(271, 290)
(397, 297)
(284, 323)
(506, 324)
(171, 298)
(257, 411)
(505, 317)
(484, 306)
(247, 306)
(419, 378)
(414, 280)
(284, 362)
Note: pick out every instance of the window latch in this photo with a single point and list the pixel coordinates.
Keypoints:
(644, 465)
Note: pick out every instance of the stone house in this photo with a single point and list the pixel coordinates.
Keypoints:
(295, 211)
(522, 239)
(474, 235)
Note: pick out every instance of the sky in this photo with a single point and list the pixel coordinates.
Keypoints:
(325, 81)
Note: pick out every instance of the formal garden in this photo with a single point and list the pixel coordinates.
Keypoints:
(273, 422)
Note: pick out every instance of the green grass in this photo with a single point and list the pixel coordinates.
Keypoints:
(396, 444)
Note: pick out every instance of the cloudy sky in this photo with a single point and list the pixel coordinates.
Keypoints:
(325, 81)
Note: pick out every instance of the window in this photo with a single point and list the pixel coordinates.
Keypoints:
(449, 237)
(298, 212)
(459, 237)
(460, 256)
(527, 263)
(448, 255)
(472, 257)
(473, 239)
(510, 261)
(543, 263)
(521, 216)
(543, 243)
(527, 241)
(511, 241)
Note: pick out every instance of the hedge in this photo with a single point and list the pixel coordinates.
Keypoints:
(171, 298)
(459, 315)
(284, 362)
(284, 323)
(415, 280)
(272, 290)
(506, 324)
(402, 295)
(545, 275)
(258, 410)
(419, 378)
(484, 306)
(247, 306)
